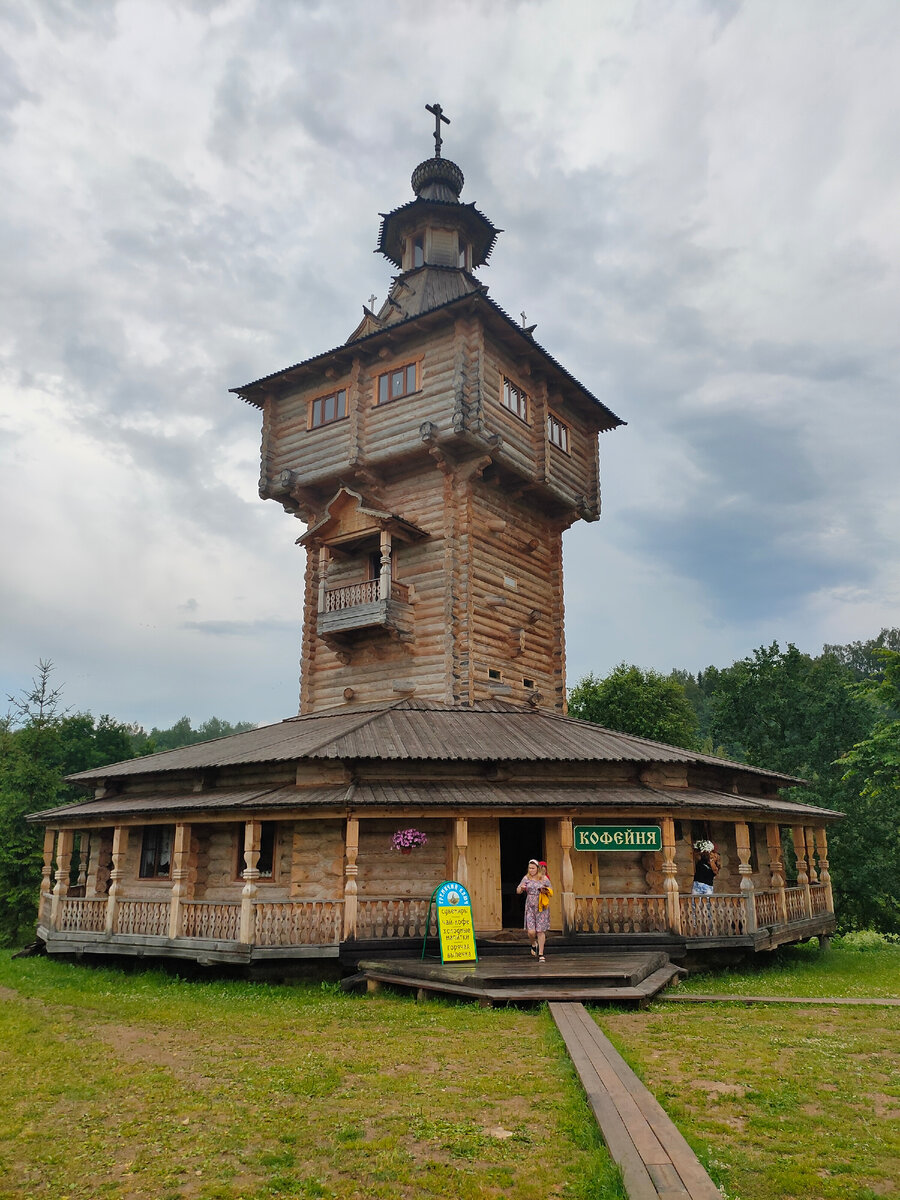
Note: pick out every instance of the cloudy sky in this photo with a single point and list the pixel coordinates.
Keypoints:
(702, 206)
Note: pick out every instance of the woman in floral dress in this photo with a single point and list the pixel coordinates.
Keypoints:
(537, 921)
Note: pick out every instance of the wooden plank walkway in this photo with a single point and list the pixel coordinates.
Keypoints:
(655, 1160)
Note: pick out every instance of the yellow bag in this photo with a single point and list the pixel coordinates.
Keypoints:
(544, 899)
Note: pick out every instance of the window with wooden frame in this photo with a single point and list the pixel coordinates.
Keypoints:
(156, 852)
(268, 843)
(557, 433)
(399, 381)
(513, 398)
(325, 409)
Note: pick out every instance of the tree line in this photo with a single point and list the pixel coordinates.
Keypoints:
(832, 720)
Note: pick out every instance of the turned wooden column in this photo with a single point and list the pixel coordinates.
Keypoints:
(47, 875)
(252, 836)
(742, 837)
(811, 855)
(824, 873)
(461, 838)
(181, 850)
(116, 874)
(64, 844)
(670, 876)
(350, 872)
(566, 842)
(384, 577)
(84, 848)
(323, 572)
(776, 869)
(798, 833)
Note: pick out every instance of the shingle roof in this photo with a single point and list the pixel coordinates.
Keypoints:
(423, 730)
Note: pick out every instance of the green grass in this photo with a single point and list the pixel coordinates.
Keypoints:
(854, 966)
(118, 1084)
(139, 1086)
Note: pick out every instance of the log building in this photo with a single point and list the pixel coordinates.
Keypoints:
(435, 459)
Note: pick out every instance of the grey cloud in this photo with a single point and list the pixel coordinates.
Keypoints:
(13, 92)
(241, 628)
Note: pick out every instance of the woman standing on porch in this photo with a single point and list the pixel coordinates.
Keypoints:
(537, 920)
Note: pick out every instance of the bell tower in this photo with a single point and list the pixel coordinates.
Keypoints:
(436, 458)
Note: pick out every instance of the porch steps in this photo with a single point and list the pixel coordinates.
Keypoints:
(624, 978)
(655, 1160)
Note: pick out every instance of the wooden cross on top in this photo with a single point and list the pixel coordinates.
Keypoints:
(438, 117)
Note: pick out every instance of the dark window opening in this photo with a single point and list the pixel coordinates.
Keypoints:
(267, 844)
(156, 852)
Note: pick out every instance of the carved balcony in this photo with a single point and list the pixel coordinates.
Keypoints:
(370, 605)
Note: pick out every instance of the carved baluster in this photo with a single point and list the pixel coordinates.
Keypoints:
(323, 572)
(252, 835)
(64, 844)
(84, 842)
(799, 835)
(776, 869)
(180, 853)
(47, 875)
(811, 855)
(566, 842)
(742, 835)
(350, 872)
(116, 874)
(670, 876)
(824, 873)
(461, 837)
(384, 576)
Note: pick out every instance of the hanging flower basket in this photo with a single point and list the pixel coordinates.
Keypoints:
(406, 840)
(704, 844)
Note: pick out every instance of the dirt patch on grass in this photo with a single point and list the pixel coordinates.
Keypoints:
(715, 1088)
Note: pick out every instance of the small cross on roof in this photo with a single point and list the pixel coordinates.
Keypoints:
(438, 117)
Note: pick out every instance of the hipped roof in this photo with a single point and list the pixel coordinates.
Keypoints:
(423, 730)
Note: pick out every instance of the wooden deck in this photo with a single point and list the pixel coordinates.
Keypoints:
(655, 1160)
(623, 978)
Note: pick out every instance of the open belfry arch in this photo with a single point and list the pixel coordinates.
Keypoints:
(435, 459)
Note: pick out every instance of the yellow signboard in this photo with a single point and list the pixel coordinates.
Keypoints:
(454, 914)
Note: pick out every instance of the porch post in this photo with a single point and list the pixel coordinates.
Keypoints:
(117, 872)
(47, 874)
(64, 844)
(180, 872)
(776, 869)
(384, 578)
(742, 836)
(824, 873)
(252, 835)
(350, 873)
(670, 874)
(461, 836)
(798, 833)
(84, 845)
(323, 571)
(566, 841)
(811, 855)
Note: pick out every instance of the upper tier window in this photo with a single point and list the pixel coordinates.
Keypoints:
(558, 433)
(325, 409)
(514, 399)
(399, 382)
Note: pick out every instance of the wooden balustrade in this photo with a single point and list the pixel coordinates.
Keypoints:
(768, 909)
(795, 900)
(350, 595)
(215, 919)
(385, 917)
(303, 923)
(818, 899)
(620, 914)
(148, 918)
(713, 916)
(78, 914)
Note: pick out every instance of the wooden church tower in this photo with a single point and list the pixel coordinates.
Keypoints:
(436, 457)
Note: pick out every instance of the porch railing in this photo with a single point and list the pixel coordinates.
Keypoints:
(219, 920)
(149, 918)
(77, 913)
(310, 923)
(768, 911)
(795, 899)
(620, 914)
(818, 899)
(713, 916)
(368, 592)
(387, 917)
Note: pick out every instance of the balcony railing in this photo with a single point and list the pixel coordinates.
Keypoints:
(620, 914)
(352, 594)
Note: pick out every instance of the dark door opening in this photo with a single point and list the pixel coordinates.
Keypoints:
(521, 838)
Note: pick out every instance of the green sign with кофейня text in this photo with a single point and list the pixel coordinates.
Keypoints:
(618, 837)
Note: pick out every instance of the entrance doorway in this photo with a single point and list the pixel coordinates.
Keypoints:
(521, 838)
